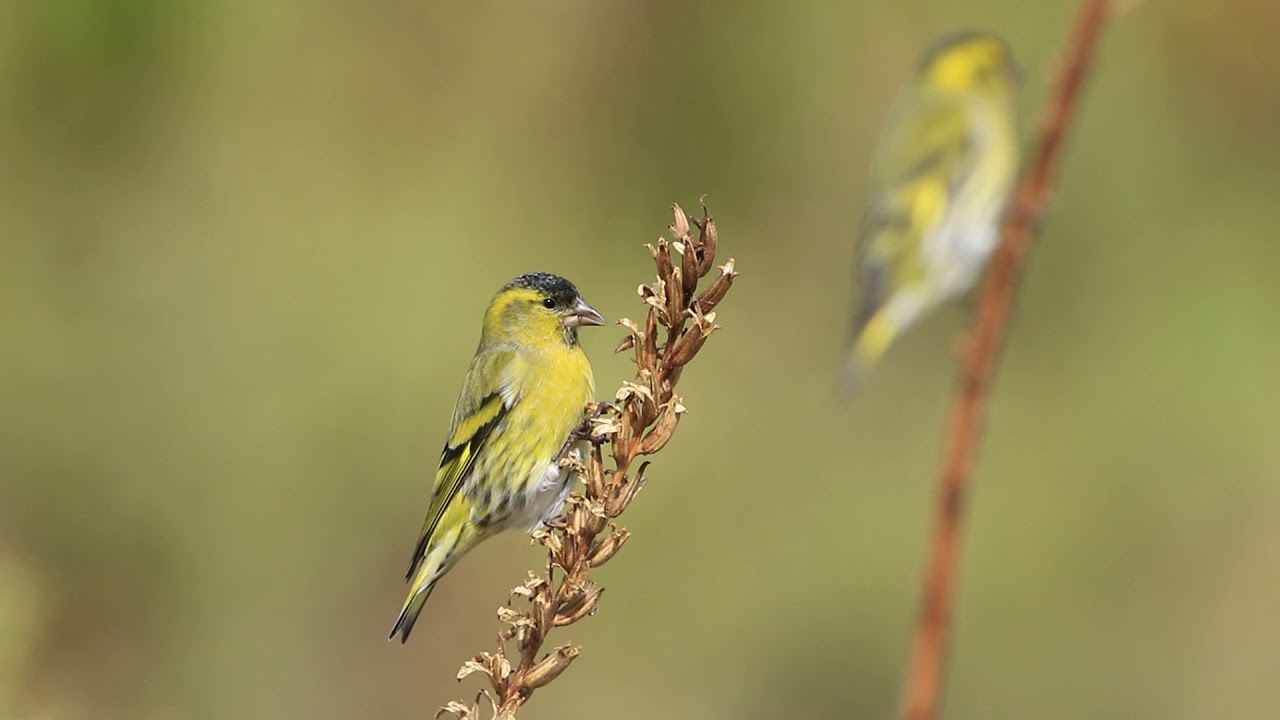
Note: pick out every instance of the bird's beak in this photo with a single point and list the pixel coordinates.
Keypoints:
(580, 314)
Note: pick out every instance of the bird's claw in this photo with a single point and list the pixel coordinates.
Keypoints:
(601, 409)
(583, 431)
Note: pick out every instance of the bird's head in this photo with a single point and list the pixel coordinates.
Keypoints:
(537, 310)
(970, 62)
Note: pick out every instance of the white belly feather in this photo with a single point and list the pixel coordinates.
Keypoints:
(545, 498)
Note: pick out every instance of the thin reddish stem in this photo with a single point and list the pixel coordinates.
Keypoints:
(923, 690)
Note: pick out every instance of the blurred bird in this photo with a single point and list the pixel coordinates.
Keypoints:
(940, 179)
(521, 401)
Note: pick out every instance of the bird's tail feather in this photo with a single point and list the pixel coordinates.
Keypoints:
(432, 567)
(409, 613)
(871, 340)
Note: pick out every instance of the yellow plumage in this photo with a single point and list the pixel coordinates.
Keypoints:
(940, 179)
(523, 396)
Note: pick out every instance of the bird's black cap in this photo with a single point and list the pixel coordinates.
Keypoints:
(553, 286)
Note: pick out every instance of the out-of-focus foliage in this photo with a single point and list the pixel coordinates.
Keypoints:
(244, 249)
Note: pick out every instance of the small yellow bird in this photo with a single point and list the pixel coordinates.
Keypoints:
(522, 399)
(940, 180)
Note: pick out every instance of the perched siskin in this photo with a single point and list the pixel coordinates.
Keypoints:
(522, 398)
(939, 182)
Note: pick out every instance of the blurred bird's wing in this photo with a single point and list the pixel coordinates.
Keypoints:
(482, 406)
(926, 155)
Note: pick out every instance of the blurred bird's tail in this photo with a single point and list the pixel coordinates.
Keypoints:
(871, 339)
(876, 329)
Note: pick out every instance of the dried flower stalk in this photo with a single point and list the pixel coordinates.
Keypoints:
(923, 692)
(644, 415)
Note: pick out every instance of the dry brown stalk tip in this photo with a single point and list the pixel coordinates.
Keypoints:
(923, 690)
(678, 320)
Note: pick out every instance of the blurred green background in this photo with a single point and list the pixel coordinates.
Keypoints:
(244, 248)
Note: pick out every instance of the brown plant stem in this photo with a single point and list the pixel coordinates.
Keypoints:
(679, 317)
(923, 689)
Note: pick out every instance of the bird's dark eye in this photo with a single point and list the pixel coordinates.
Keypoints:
(548, 303)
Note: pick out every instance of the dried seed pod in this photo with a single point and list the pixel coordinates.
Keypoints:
(709, 239)
(481, 663)
(550, 667)
(637, 402)
(550, 540)
(458, 710)
(662, 257)
(627, 343)
(691, 342)
(501, 667)
(522, 628)
(674, 284)
(585, 606)
(598, 521)
(572, 459)
(716, 291)
(646, 411)
(655, 296)
(597, 517)
(576, 579)
(571, 594)
(595, 472)
(689, 269)
(685, 347)
(659, 389)
(673, 377)
(493, 705)
(531, 585)
(662, 431)
(647, 360)
(655, 440)
(694, 343)
(541, 603)
(615, 503)
(622, 440)
(635, 486)
(630, 325)
(577, 523)
(513, 617)
(607, 548)
(680, 228)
